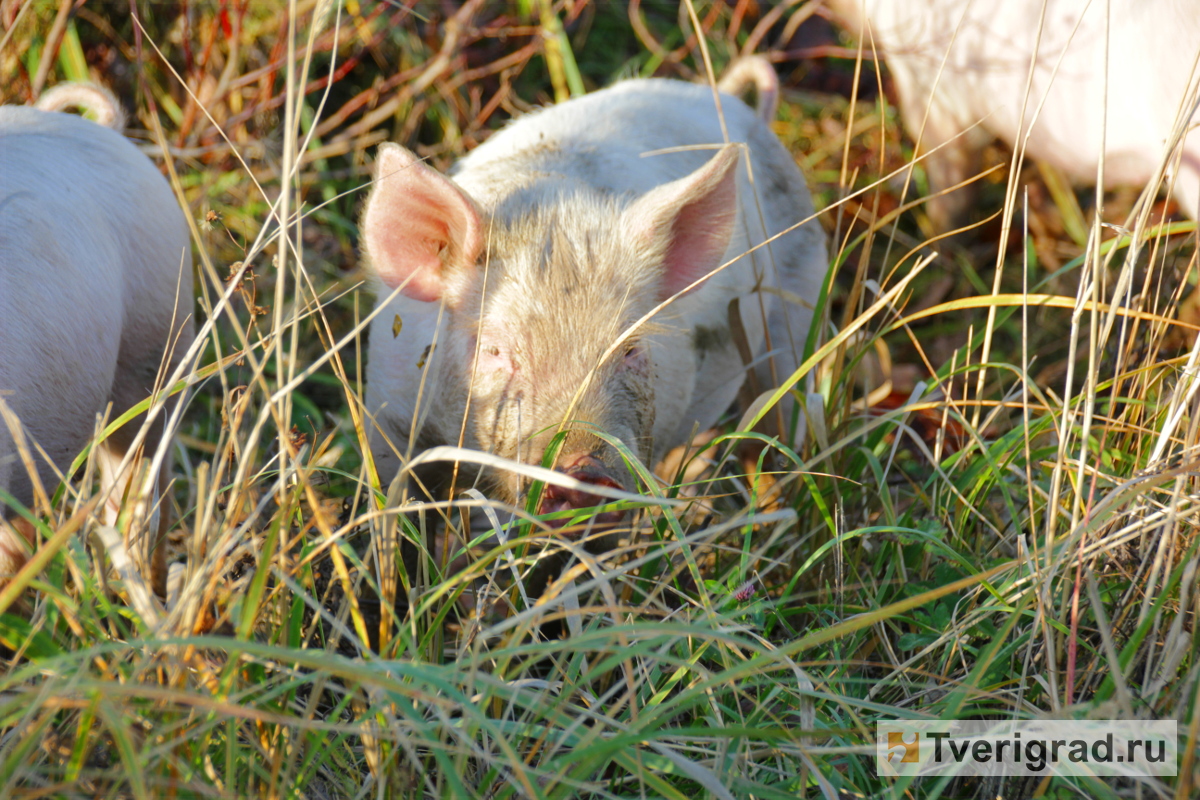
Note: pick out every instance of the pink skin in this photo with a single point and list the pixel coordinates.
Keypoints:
(585, 468)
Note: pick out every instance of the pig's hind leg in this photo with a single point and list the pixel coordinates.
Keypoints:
(1187, 183)
(148, 520)
(787, 329)
(150, 516)
(799, 265)
(950, 150)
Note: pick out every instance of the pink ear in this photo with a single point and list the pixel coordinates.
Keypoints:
(691, 218)
(422, 233)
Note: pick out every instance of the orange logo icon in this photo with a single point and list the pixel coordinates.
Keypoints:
(902, 751)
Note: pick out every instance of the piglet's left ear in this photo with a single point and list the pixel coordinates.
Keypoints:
(689, 220)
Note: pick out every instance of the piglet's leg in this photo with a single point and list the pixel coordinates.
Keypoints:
(148, 520)
(16, 541)
(1187, 183)
(950, 149)
(20, 477)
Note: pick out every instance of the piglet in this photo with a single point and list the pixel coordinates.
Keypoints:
(95, 301)
(515, 295)
(957, 63)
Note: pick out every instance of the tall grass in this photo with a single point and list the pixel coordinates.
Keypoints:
(993, 514)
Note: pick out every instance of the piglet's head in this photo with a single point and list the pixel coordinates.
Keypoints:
(570, 271)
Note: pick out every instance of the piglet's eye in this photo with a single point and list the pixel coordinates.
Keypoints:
(493, 351)
(635, 356)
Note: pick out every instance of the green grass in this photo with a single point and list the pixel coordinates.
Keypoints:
(1017, 540)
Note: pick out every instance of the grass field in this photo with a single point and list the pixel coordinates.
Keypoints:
(993, 515)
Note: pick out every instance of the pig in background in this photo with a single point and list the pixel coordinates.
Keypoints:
(510, 295)
(987, 48)
(95, 301)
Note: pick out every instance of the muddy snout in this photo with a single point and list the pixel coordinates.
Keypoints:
(586, 469)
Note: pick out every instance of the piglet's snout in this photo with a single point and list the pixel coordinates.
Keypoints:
(585, 469)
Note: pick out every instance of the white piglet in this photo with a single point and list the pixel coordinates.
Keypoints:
(95, 298)
(1109, 78)
(548, 244)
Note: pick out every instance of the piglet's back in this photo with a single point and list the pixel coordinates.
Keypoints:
(72, 175)
(608, 140)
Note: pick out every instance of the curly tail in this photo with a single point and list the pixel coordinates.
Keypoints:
(87, 96)
(757, 73)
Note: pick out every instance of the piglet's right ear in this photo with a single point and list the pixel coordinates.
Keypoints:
(422, 233)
